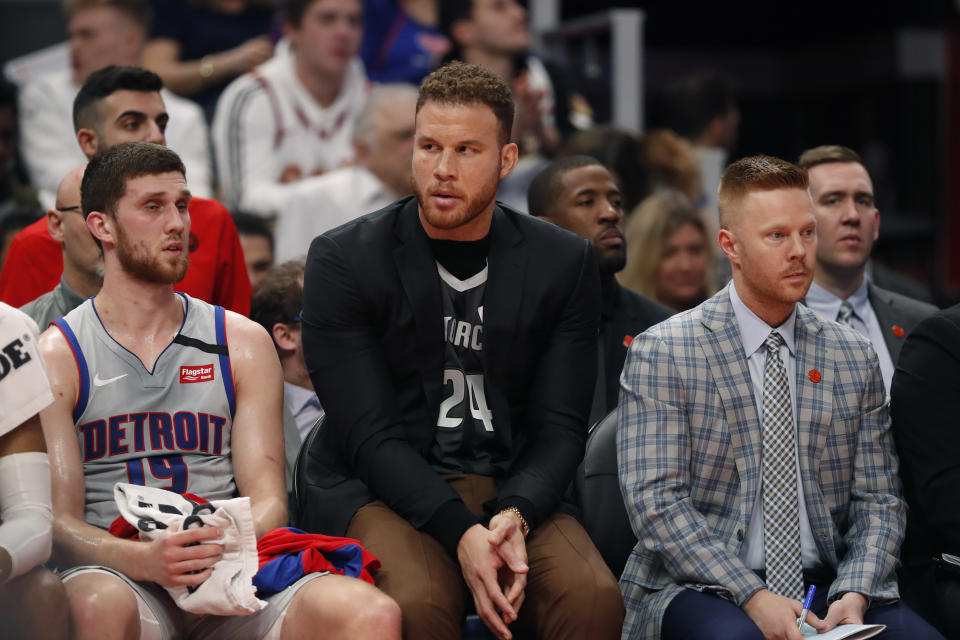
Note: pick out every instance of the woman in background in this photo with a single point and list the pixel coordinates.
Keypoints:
(669, 257)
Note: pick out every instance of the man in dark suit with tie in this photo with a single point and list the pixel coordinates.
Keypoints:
(848, 224)
(446, 337)
(581, 195)
(755, 449)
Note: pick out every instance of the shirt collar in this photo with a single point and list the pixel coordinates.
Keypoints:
(828, 305)
(753, 330)
(298, 397)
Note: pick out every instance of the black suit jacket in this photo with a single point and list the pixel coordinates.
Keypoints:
(924, 404)
(625, 314)
(895, 310)
(373, 343)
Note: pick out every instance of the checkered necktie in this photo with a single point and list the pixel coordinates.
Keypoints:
(845, 315)
(781, 516)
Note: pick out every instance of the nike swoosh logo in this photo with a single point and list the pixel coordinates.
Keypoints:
(99, 382)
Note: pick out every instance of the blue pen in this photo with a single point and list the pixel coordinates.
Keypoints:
(806, 606)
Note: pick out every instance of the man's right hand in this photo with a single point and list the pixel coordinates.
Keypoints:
(480, 563)
(776, 616)
(171, 558)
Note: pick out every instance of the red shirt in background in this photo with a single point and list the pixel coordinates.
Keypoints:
(217, 273)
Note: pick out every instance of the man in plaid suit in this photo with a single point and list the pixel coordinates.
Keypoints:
(693, 446)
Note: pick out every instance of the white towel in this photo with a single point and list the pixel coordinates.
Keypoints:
(229, 590)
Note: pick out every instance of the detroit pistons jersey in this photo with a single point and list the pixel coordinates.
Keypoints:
(168, 428)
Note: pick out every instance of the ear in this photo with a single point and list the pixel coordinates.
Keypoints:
(55, 224)
(876, 224)
(728, 244)
(282, 337)
(89, 143)
(101, 227)
(508, 159)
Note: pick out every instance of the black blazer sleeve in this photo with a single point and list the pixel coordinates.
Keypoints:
(558, 401)
(350, 374)
(925, 400)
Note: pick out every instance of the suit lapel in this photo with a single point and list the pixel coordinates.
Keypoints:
(421, 284)
(886, 316)
(814, 391)
(506, 267)
(723, 349)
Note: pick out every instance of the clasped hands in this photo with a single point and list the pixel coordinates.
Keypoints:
(776, 615)
(494, 565)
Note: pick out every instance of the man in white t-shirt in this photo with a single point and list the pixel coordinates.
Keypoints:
(33, 602)
(102, 32)
(292, 117)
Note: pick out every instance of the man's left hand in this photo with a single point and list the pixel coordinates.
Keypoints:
(849, 609)
(506, 536)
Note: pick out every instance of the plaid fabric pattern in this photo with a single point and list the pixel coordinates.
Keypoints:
(781, 513)
(689, 446)
(845, 314)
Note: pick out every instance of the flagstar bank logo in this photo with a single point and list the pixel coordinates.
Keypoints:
(202, 373)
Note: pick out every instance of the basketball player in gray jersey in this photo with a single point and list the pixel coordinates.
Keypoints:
(155, 387)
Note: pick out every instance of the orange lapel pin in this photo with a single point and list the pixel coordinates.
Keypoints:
(814, 375)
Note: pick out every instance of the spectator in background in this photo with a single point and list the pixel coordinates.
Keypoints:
(33, 602)
(702, 108)
(292, 117)
(494, 34)
(580, 195)
(401, 40)
(276, 306)
(15, 192)
(102, 33)
(848, 223)
(10, 225)
(670, 162)
(383, 139)
(257, 242)
(200, 46)
(669, 256)
(620, 152)
(119, 104)
(82, 263)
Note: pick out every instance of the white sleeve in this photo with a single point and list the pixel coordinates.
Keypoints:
(48, 142)
(187, 134)
(26, 531)
(244, 131)
(24, 388)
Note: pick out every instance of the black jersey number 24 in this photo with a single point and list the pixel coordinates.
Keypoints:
(467, 395)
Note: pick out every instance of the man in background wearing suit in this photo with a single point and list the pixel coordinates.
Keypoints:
(446, 336)
(580, 195)
(754, 446)
(848, 223)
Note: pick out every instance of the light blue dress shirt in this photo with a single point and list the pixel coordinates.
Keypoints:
(753, 332)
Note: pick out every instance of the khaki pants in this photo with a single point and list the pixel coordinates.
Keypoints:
(570, 592)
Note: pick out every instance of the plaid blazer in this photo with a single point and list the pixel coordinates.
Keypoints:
(689, 449)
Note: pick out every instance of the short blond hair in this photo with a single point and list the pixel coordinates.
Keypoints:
(756, 173)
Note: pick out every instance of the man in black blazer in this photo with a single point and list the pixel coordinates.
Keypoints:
(446, 338)
(580, 195)
(923, 407)
(848, 224)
